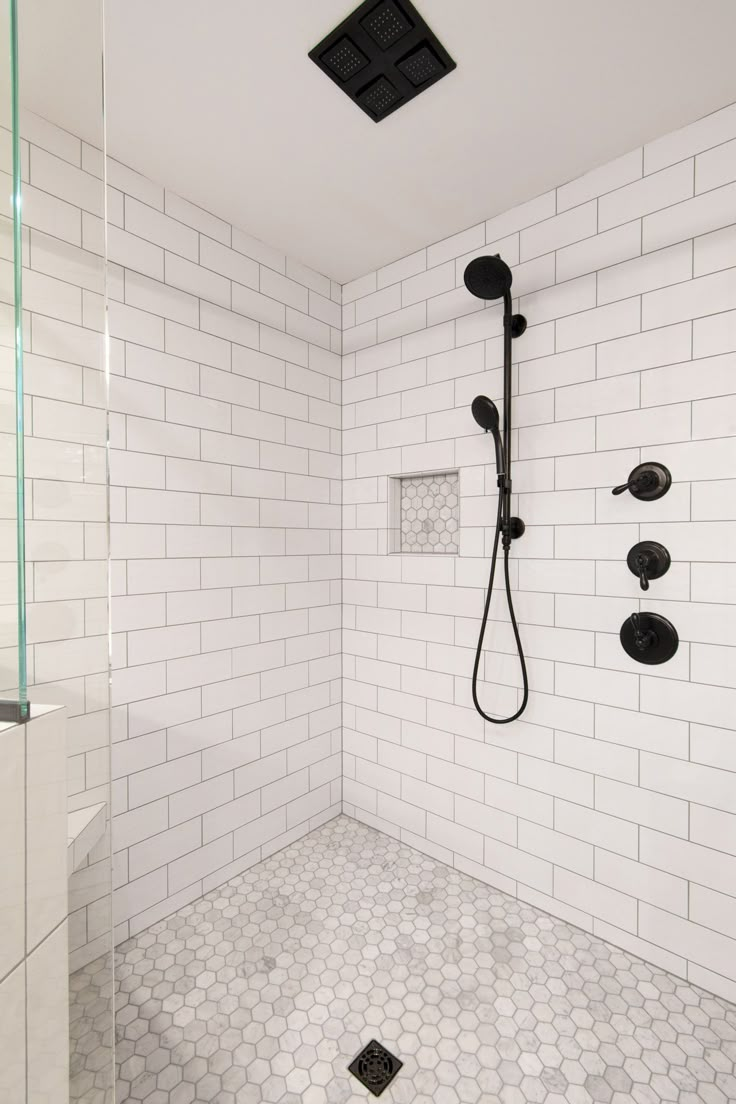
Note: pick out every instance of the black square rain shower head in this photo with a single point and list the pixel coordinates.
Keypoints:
(382, 56)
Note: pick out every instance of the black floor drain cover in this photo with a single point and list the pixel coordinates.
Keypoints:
(375, 1067)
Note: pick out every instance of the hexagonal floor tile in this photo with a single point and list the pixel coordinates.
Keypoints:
(267, 988)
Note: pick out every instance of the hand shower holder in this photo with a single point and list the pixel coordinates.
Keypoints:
(518, 325)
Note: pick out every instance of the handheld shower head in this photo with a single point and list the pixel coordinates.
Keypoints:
(485, 412)
(488, 277)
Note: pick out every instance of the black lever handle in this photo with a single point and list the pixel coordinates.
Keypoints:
(643, 638)
(641, 482)
(648, 560)
(624, 487)
(642, 562)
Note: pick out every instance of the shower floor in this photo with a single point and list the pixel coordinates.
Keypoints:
(267, 988)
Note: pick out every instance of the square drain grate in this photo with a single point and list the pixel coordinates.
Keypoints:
(375, 1067)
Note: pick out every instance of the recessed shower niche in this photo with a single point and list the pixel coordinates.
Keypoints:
(424, 513)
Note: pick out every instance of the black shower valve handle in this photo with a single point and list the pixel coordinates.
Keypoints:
(647, 482)
(648, 560)
(642, 481)
(623, 487)
(643, 638)
(642, 562)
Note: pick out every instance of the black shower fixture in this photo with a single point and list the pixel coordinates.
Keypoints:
(649, 638)
(647, 482)
(649, 560)
(382, 56)
(490, 278)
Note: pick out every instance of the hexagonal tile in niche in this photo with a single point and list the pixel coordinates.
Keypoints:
(429, 511)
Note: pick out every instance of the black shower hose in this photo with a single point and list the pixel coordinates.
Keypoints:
(484, 622)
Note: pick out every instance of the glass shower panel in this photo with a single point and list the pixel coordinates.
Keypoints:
(13, 331)
(61, 136)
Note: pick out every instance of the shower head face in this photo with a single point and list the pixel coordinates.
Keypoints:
(485, 413)
(488, 277)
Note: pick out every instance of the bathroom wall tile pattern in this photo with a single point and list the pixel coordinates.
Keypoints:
(430, 513)
(267, 988)
(611, 802)
(226, 540)
(225, 428)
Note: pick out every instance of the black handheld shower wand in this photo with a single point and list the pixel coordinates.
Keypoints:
(490, 278)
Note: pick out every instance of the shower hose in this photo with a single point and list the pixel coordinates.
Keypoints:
(501, 526)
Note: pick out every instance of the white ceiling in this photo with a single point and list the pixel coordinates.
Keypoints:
(219, 101)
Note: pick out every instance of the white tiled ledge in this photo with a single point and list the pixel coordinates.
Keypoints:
(86, 827)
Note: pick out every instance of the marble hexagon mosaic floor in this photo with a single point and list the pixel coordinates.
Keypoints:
(267, 988)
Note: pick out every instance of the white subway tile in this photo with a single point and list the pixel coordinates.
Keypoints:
(569, 298)
(197, 280)
(644, 427)
(659, 189)
(645, 807)
(647, 883)
(596, 828)
(561, 850)
(714, 251)
(597, 899)
(599, 251)
(603, 396)
(558, 231)
(714, 166)
(691, 781)
(695, 216)
(704, 295)
(646, 350)
(690, 701)
(653, 270)
(599, 324)
(148, 223)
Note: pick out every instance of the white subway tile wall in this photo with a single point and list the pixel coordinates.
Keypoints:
(226, 400)
(611, 802)
(225, 507)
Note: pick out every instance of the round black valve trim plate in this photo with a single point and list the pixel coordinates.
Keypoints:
(649, 638)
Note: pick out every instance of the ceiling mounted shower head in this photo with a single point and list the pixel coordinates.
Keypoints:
(382, 56)
(485, 413)
(488, 277)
